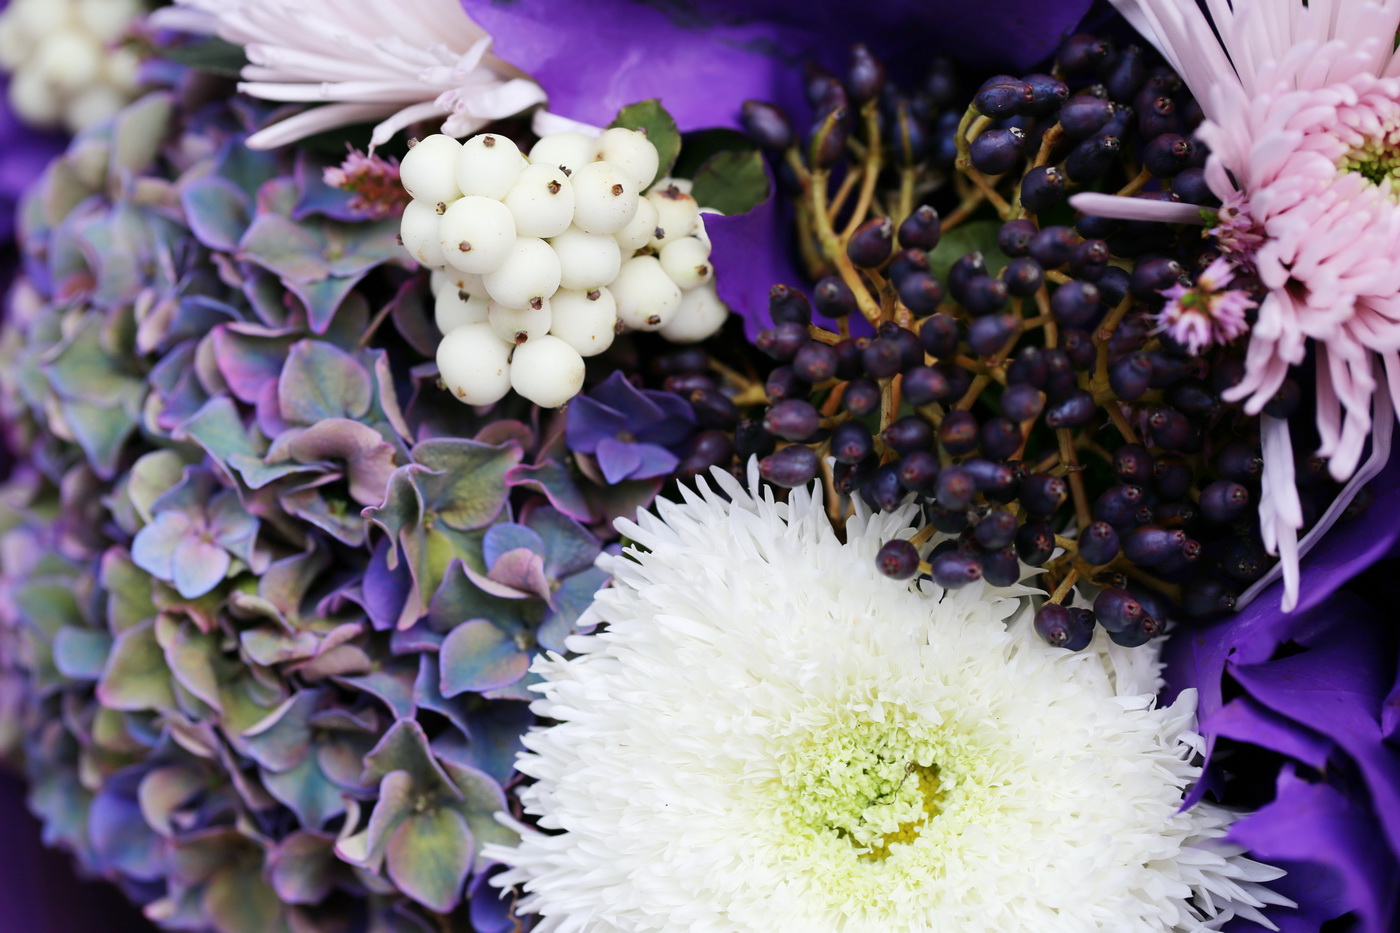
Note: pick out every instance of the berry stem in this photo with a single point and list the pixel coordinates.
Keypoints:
(1138, 182)
(1065, 586)
(1070, 462)
(874, 158)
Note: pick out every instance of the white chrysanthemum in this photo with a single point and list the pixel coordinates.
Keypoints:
(770, 736)
(398, 63)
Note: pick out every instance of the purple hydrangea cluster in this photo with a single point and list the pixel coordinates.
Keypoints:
(274, 593)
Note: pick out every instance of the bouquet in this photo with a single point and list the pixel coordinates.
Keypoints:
(615, 467)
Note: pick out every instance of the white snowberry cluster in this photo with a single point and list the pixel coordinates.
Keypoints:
(66, 70)
(541, 260)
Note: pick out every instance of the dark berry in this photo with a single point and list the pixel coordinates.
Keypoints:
(1239, 462)
(816, 362)
(882, 358)
(1056, 626)
(1118, 505)
(872, 242)
(1073, 411)
(766, 125)
(987, 335)
(909, 434)
(918, 472)
(866, 77)
(1079, 347)
(1204, 597)
(1171, 478)
(1170, 429)
(707, 449)
(1003, 96)
(924, 384)
(1035, 542)
(783, 383)
(792, 419)
(1053, 246)
(996, 530)
(1190, 185)
(898, 559)
(958, 433)
(714, 409)
(1083, 115)
(862, 397)
(1098, 543)
(1000, 567)
(1048, 93)
(1124, 72)
(1022, 402)
(1224, 501)
(834, 298)
(963, 270)
(1151, 545)
(997, 151)
(1043, 188)
(1285, 401)
(1075, 303)
(940, 337)
(750, 440)
(1092, 158)
(1166, 155)
(1042, 493)
(1023, 277)
(921, 229)
(955, 489)
(851, 442)
(1082, 52)
(1151, 276)
(884, 491)
(789, 306)
(782, 342)
(792, 466)
(1116, 609)
(1014, 237)
(953, 569)
(1131, 376)
(1133, 464)
(1001, 437)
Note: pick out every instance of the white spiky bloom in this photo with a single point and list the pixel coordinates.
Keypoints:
(399, 63)
(770, 736)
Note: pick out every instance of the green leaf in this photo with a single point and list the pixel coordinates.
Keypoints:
(211, 55)
(978, 236)
(429, 857)
(731, 182)
(650, 116)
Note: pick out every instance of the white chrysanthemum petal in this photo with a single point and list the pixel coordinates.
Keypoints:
(397, 63)
(768, 735)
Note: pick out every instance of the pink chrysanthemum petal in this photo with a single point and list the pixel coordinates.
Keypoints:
(1303, 122)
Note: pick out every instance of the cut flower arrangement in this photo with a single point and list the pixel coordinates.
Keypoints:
(721, 467)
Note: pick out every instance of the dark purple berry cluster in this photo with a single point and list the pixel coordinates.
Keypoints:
(1025, 394)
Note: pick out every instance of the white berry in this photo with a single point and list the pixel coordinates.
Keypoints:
(700, 233)
(632, 151)
(586, 321)
(488, 165)
(547, 371)
(429, 170)
(474, 364)
(419, 231)
(676, 214)
(647, 299)
(530, 274)
(586, 260)
(687, 262)
(605, 197)
(640, 229)
(476, 234)
(454, 307)
(700, 315)
(70, 59)
(542, 201)
(451, 278)
(520, 325)
(564, 150)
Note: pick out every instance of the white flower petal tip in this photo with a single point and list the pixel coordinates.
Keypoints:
(769, 735)
(395, 63)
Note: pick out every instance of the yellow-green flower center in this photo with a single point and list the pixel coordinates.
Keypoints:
(873, 784)
(1376, 160)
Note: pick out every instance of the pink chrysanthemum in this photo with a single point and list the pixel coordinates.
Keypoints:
(394, 62)
(1209, 312)
(1302, 106)
(374, 182)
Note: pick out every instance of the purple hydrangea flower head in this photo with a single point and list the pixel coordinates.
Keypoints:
(1319, 689)
(22, 159)
(634, 433)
